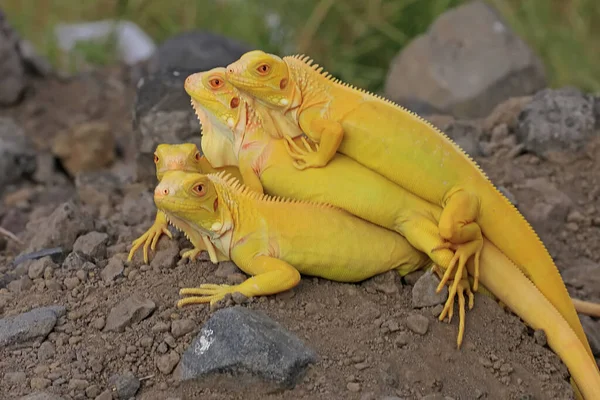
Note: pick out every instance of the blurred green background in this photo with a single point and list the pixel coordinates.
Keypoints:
(354, 39)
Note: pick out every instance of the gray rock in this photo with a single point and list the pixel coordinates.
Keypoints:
(181, 327)
(41, 396)
(167, 362)
(196, 51)
(92, 244)
(36, 323)
(46, 351)
(125, 385)
(467, 63)
(76, 260)
(17, 153)
(167, 255)
(556, 120)
(417, 323)
(12, 72)
(241, 341)
(162, 114)
(61, 228)
(113, 269)
(129, 311)
(423, 292)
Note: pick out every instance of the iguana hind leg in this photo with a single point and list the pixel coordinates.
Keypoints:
(422, 233)
(462, 234)
(271, 275)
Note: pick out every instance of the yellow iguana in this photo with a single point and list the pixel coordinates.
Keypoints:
(266, 166)
(275, 240)
(406, 149)
(181, 157)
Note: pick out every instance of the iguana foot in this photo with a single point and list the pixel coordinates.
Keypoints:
(304, 158)
(462, 253)
(192, 254)
(206, 293)
(149, 239)
(458, 289)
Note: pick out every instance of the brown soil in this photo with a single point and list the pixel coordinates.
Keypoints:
(365, 349)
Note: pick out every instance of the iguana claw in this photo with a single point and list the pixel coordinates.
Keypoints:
(206, 293)
(150, 238)
(191, 254)
(458, 289)
(304, 158)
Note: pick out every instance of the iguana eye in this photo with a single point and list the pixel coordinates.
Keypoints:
(263, 69)
(155, 159)
(197, 156)
(234, 103)
(216, 83)
(199, 189)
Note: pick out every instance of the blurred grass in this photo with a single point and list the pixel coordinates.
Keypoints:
(354, 39)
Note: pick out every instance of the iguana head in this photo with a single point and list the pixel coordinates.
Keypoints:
(221, 101)
(190, 201)
(177, 157)
(264, 76)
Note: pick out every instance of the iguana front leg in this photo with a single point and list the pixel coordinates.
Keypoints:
(328, 134)
(270, 276)
(150, 238)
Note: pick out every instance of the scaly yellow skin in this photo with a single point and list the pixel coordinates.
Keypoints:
(407, 150)
(178, 157)
(266, 166)
(275, 240)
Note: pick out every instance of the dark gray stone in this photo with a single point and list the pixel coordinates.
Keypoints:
(125, 385)
(162, 114)
(556, 120)
(17, 153)
(466, 135)
(36, 323)
(196, 51)
(240, 341)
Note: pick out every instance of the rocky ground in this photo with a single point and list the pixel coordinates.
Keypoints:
(78, 321)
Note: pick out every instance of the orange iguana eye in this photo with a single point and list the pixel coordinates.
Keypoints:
(216, 83)
(197, 156)
(234, 103)
(155, 159)
(199, 189)
(263, 69)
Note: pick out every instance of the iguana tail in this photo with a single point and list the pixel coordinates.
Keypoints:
(510, 232)
(508, 283)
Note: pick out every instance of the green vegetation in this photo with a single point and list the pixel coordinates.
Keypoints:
(354, 39)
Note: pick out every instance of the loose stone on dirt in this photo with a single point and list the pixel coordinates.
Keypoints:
(417, 323)
(125, 385)
(129, 311)
(36, 323)
(238, 339)
(424, 291)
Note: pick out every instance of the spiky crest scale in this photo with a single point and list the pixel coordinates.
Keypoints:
(310, 63)
(231, 184)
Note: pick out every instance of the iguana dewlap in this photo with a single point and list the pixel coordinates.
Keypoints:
(180, 157)
(275, 240)
(405, 149)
